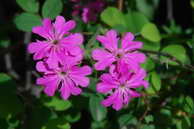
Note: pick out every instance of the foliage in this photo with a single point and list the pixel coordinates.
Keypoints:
(168, 102)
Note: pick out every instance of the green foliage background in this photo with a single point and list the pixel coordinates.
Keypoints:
(167, 104)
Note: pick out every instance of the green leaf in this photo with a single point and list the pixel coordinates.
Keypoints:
(72, 116)
(148, 45)
(58, 123)
(31, 6)
(188, 105)
(192, 3)
(58, 104)
(147, 7)
(38, 116)
(148, 127)
(8, 98)
(155, 83)
(98, 124)
(186, 123)
(52, 8)
(149, 118)
(148, 65)
(127, 119)
(113, 17)
(98, 112)
(26, 21)
(4, 43)
(135, 21)
(176, 51)
(151, 32)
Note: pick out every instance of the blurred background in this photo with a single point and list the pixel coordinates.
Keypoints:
(165, 27)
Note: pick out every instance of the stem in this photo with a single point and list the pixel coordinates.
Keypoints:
(120, 4)
(172, 58)
(169, 10)
(27, 38)
(9, 68)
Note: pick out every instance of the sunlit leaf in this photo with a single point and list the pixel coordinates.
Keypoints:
(151, 32)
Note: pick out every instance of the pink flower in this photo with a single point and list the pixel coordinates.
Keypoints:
(75, 0)
(91, 10)
(120, 86)
(58, 43)
(67, 79)
(111, 53)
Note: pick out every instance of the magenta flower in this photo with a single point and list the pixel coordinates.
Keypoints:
(111, 53)
(58, 43)
(67, 79)
(120, 86)
(89, 11)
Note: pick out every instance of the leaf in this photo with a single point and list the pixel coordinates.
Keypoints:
(38, 116)
(148, 127)
(188, 105)
(98, 124)
(176, 51)
(148, 65)
(31, 6)
(58, 123)
(52, 8)
(155, 83)
(192, 3)
(127, 119)
(113, 17)
(4, 43)
(147, 7)
(58, 104)
(151, 32)
(135, 21)
(72, 115)
(149, 118)
(98, 112)
(8, 98)
(26, 21)
(148, 45)
(186, 123)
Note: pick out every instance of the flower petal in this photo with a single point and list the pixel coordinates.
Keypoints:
(65, 89)
(45, 30)
(104, 87)
(41, 67)
(36, 46)
(81, 71)
(99, 54)
(128, 45)
(73, 39)
(80, 80)
(110, 41)
(102, 64)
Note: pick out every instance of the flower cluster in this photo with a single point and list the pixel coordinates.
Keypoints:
(125, 73)
(88, 10)
(59, 55)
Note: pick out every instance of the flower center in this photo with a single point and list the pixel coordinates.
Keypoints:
(122, 85)
(55, 42)
(62, 74)
(119, 55)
